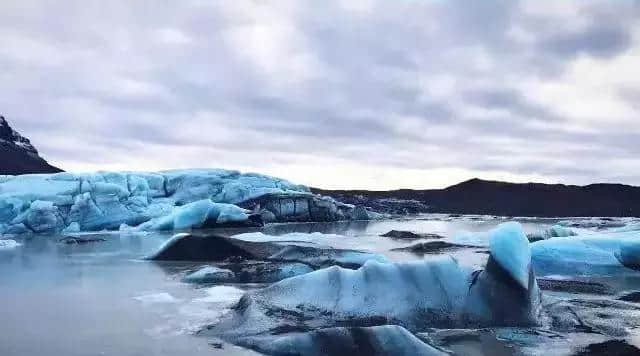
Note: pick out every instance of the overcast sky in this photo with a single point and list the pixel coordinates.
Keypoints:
(335, 94)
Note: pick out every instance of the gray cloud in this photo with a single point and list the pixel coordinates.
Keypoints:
(598, 40)
(383, 87)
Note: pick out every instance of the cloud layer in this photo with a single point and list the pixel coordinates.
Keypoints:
(359, 94)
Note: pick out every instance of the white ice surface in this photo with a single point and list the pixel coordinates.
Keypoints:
(155, 298)
(397, 289)
(209, 274)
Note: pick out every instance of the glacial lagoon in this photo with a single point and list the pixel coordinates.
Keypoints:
(104, 297)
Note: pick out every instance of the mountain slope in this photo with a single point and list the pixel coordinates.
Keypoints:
(478, 196)
(17, 154)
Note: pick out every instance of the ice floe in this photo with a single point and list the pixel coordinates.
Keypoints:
(437, 292)
(554, 231)
(595, 254)
(210, 274)
(155, 298)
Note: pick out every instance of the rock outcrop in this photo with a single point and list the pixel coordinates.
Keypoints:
(482, 197)
(17, 154)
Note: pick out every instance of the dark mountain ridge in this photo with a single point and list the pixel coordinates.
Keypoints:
(17, 154)
(477, 196)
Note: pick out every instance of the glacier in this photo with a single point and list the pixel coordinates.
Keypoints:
(166, 200)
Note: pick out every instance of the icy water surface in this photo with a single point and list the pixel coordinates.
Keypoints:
(102, 298)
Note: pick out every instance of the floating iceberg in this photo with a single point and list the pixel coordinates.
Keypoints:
(183, 199)
(210, 274)
(554, 231)
(602, 254)
(157, 298)
(212, 248)
(432, 293)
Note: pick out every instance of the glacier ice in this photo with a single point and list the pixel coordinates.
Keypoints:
(510, 248)
(554, 231)
(594, 254)
(210, 274)
(202, 213)
(157, 298)
(350, 293)
(179, 199)
(438, 292)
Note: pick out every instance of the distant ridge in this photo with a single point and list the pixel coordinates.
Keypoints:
(477, 196)
(17, 154)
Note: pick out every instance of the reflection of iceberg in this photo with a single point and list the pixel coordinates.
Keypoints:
(183, 199)
(416, 295)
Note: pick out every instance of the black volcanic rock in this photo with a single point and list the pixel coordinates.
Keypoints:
(432, 247)
(478, 196)
(214, 248)
(17, 154)
(408, 235)
(609, 348)
(571, 286)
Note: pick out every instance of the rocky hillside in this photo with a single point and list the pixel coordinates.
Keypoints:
(17, 154)
(478, 196)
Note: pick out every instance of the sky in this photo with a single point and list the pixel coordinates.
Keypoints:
(332, 94)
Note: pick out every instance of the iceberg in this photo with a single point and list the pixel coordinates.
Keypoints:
(507, 248)
(587, 255)
(168, 200)
(212, 248)
(437, 292)
(554, 231)
(210, 274)
(157, 298)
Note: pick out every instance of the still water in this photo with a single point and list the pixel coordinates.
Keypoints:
(103, 298)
